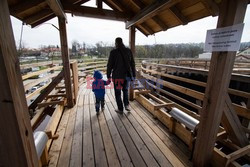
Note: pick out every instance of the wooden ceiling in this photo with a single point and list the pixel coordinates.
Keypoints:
(148, 16)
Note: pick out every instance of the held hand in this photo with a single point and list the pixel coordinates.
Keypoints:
(132, 79)
(109, 81)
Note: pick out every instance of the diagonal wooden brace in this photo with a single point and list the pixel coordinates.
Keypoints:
(46, 91)
(232, 125)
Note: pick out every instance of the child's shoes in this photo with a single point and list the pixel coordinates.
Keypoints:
(97, 112)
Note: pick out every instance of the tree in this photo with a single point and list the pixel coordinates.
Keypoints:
(76, 46)
(103, 49)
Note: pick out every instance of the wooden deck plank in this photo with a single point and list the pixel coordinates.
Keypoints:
(122, 153)
(65, 154)
(76, 153)
(111, 139)
(160, 155)
(55, 149)
(174, 139)
(64, 157)
(106, 98)
(86, 100)
(91, 98)
(172, 142)
(84, 86)
(137, 160)
(99, 150)
(141, 146)
(165, 150)
(88, 154)
(112, 157)
(148, 125)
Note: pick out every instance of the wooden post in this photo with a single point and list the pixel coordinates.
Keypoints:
(231, 12)
(132, 39)
(17, 146)
(74, 68)
(99, 4)
(65, 59)
(132, 47)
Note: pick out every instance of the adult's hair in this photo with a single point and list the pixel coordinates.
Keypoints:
(118, 42)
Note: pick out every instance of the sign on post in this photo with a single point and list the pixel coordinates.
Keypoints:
(224, 39)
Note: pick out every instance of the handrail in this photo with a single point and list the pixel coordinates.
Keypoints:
(29, 75)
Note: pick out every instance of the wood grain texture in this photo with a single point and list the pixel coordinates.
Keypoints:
(65, 59)
(231, 12)
(46, 91)
(17, 146)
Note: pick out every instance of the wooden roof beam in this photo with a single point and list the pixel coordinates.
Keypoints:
(139, 4)
(80, 2)
(179, 15)
(158, 21)
(99, 4)
(43, 20)
(115, 4)
(126, 10)
(147, 28)
(95, 13)
(23, 6)
(112, 6)
(150, 11)
(212, 7)
(57, 8)
(38, 16)
(142, 31)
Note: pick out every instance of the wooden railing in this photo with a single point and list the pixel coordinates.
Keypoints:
(183, 88)
(48, 94)
(239, 66)
(164, 74)
(86, 67)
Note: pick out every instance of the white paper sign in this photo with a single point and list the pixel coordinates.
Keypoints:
(224, 39)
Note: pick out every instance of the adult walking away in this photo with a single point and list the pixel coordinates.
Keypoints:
(121, 65)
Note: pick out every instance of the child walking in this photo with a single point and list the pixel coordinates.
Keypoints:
(98, 87)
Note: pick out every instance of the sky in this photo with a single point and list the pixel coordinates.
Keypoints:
(92, 31)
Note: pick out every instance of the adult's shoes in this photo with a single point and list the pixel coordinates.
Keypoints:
(119, 111)
(127, 108)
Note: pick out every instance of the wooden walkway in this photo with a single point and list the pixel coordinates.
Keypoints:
(111, 139)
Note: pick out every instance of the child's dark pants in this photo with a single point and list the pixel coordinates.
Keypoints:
(98, 102)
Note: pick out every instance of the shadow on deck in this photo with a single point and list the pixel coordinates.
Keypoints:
(110, 139)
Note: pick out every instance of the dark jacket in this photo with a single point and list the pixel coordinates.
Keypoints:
(117, 64)
(98, 85)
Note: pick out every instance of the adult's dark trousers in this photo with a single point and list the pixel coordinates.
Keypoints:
(121, 85)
